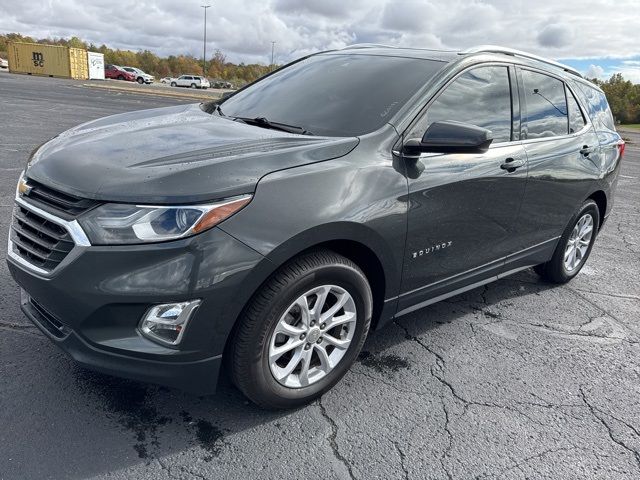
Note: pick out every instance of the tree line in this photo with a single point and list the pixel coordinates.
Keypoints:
(172, 66)
(623, 96)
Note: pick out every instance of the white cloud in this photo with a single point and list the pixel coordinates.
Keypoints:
(594, 71)
(244, 29)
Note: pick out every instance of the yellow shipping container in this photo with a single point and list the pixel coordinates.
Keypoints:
(48, 60)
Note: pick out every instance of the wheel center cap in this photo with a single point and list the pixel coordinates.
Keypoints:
(314, 335)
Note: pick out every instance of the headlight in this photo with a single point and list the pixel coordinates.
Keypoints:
(117, 223)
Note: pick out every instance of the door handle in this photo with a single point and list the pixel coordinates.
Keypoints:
(586, 150)
(511, 164)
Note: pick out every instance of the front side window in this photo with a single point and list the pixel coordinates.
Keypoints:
(480, 97)
(545, 106)
(335, 94)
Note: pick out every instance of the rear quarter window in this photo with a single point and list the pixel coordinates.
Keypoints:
(598, 107)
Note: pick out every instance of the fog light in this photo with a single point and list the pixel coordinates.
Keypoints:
(167, 322)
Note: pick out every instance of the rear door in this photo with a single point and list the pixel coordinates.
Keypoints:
(563, 153)
(463, 207)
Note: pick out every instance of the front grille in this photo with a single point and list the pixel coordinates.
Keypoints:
(63, 202)
(39, 241)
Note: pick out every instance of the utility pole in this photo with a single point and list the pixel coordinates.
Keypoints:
(204, 43)
(273, 46)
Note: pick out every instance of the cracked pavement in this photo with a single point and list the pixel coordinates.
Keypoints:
(518, 379)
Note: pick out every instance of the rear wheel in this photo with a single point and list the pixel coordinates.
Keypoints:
(574, 246)
(302, 331)
(120, 77)
(173, 84)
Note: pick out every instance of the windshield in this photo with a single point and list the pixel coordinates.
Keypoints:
(334, 94)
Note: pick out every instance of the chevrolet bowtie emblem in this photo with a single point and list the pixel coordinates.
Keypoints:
(23, 188)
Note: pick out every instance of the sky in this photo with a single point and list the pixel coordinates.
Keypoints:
(599, 38)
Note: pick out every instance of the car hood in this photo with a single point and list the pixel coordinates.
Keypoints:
(172, 155)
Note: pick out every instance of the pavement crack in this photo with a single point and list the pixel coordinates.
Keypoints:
(332, 439)
(627, 243)
(17, 326)
(615, 295)
(20, 328)
(599, 415)
(517, 465)
(447, 451)
(403, 457)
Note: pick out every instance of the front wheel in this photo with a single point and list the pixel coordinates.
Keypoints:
(193, 85)
(140, 80)
(302, 330)
(574, 246)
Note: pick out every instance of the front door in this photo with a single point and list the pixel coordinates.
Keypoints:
(463, 207)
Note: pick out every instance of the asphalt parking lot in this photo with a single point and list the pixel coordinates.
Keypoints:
(518, 379)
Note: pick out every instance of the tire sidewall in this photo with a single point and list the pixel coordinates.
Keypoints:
(341, 275)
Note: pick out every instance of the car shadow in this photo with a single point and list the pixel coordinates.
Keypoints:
(152, 422)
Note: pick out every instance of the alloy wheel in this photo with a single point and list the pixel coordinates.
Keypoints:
(312, 336)
(578, 243)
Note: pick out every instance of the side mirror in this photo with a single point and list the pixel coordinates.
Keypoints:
(450, 137)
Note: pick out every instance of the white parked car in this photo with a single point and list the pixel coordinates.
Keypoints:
(141, 77)
(4, 64)
(190, 81)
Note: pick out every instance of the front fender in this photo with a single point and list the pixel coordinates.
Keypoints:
(296, 209)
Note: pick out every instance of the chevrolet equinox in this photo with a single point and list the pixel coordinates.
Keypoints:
(274, 228)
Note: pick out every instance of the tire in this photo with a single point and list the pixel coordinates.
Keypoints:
(140, 80)
(173, 84)
(193, 85)
(557, 270)
(255, 336)
(120, 77)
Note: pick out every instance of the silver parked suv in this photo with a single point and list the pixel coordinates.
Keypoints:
(190, 81)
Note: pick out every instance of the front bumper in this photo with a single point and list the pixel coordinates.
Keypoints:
(91, 306)
(200, 376)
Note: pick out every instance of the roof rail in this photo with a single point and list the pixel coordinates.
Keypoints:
(520, 53)
(367, 45)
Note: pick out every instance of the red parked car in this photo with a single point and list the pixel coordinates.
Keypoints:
(118, 73)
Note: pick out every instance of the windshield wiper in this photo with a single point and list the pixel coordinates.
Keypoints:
(284, 127)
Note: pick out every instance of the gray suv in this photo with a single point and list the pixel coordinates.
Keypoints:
(271, 231)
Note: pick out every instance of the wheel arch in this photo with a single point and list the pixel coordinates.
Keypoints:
(361, 248)
(601, 200)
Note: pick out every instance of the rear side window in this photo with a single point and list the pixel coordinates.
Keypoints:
(481, 97)
(598, 107)
(545, 106)
(576, 118)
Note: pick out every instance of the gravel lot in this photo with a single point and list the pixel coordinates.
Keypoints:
(518, 379)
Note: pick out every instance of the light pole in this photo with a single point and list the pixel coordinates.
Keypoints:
(204, 43)
(273, 45)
